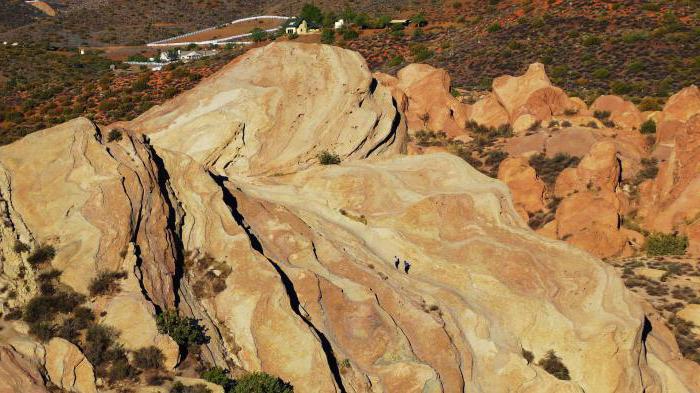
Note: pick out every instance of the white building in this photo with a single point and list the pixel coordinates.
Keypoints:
(339, 24)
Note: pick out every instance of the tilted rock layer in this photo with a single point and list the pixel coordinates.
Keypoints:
(216, 204)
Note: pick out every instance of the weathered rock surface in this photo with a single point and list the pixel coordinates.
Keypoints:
(288, 263)
(431, 106)
(669, 202)
(526, 187)
(622, 112)
(68, 368)
(18, 373)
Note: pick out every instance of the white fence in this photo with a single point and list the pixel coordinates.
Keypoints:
(218, 41)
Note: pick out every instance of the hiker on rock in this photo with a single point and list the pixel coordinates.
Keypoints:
(406, 266)
(396, 262)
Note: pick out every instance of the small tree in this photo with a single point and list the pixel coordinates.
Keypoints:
(114, 136)
(328, 36)
(419, 20)
(648, 127)
(185, 331)
(218, 376)
(260, 382)
(328, 158)
(666, 244)
(552, 364)
(42, 254)
(149, 358)
(258, 34)
(311, 13)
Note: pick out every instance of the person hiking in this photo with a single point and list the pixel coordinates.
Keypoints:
(396, 262)
(406, 266)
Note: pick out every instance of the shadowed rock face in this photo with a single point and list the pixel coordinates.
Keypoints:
(224, 178)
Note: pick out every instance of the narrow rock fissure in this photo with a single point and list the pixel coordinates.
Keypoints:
(230, 201)
(173, 224)
(391, 136)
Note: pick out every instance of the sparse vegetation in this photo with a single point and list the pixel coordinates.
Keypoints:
(261, 382)
(219, 376)
(553, 364)
(528, 356)
(114, 135)
(666, 244)
(149, 358)
(179, 387)
(42, 254)
(648, 127)
(105, 283)
(549, 168)
(328, 158)
(184, 330)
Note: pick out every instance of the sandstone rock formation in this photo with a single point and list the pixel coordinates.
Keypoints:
(623, 113)
(431, 106)
(216, 204)
(521, 179)
(18, 373)
(669, 202)
(68, 368)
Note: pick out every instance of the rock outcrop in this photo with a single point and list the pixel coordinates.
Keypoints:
(622, 112)
(218, 205)
(526, 187)
(431, 106)
(18, 373)
(68, 368)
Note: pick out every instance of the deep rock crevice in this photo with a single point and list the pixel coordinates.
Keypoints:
(231, 202)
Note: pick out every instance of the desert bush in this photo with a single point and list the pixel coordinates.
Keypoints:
(218, 376)
(20, 247)
(105, 283)
(649, 170)
(260, 382)
(648, 127)
(421, 53)
(149, 358)
(43, 331)
(549, 168)
(493, 27)
(178, 387)
(566, 124)
(328, 158)
(552, 364)
(649, 104)
(114, 135)
(666, 244)
(327, 36)
(185, 331)
(258, 35)
(42, 254)
(495, 157)
(527, 355)
(601, 115)
(601, 73)
(395, 61)
(46, 307)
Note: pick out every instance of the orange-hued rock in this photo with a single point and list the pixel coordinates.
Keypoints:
(431, 106)
(522, 180)
(19, 373)
(623, 113)
(669, 202)
(489, 112)
(598, 170)
(547, 102)
(514, 91)
(682, 105)
(68, 368)
(288, 264)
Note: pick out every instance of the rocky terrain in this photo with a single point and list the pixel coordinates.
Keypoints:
(251, 224)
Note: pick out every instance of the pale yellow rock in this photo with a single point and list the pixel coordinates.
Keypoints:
(512, 92)
(489, 112)
(68, 368)
(523, 123)
(691, 313)
(19, 373)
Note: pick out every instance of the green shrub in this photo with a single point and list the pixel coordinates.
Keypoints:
(396, 61)
(42, 254)
(149, 358)
(45, 307)
(592, 40)
(21, 247)
(648, 127)
(552, 364)
(185, 331)
(258, 35)
(178, 387)
(218, 376)
(328, 158)
(260, 382)
(635, 36)
(327, 36)
(650, 168)
(601, 73)
(421, 53)
(666, 244)
(549, 168)
(527, 355)
(493, 27)
(601, 115)
(350, 34)
(649, 104)
(105, 283)
(114, 135)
